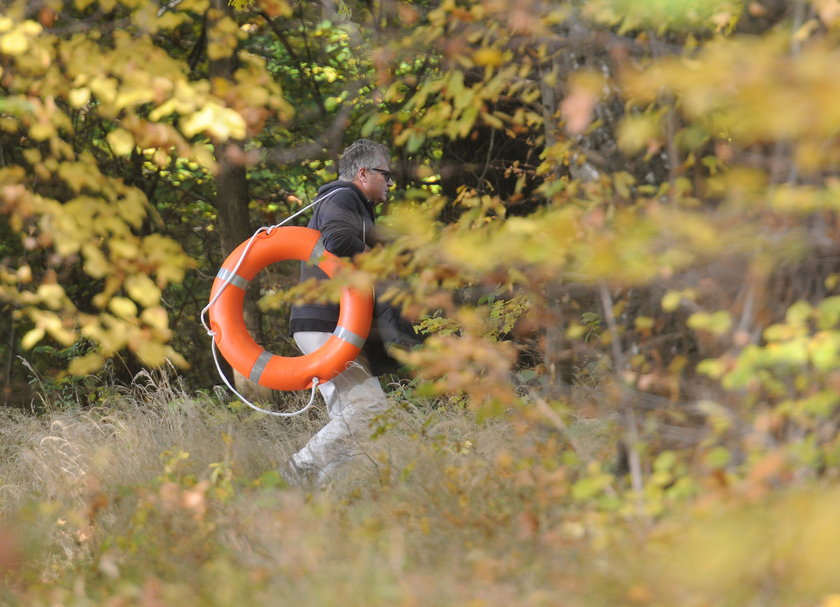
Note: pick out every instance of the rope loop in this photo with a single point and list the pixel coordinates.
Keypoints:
(227, 281)
(315, 382)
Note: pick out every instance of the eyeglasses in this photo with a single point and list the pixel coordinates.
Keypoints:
(385, 174)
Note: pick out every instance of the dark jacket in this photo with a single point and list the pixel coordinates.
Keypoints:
(346, 222)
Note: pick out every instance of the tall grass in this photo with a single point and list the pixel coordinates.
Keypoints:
(156, 492)
(160, 497)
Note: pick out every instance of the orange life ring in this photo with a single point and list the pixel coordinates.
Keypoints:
(240, 349)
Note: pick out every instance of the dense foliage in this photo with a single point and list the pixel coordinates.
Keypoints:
(616, 221)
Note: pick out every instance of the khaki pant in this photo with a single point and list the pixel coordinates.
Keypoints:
(354, 398)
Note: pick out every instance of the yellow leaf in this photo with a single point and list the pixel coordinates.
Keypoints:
(636, 132)
(86, 364)
(717, 323)
(219, 50)
(143, 290)
(52, 295)
(205, 158)
(123, 247)
(132, 206)
(55, 328)
(41, 131)
(197, 6)
(671, 301)
(96, 265)
(168, 257)
(156, 318)
(132, 96)
(32, 337)
(643, 323)
(123, 307)
(112, 334)
(176, 359)
(121, 142)
(104, 88)
(32, 155)
(32, 28)
(488, 56)
(151, 352)
(24, 274)
(219, 122)
(75, 178)
(14, 43)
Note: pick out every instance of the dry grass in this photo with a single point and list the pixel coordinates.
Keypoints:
(161, 492)
(158, 497)
(121, 441)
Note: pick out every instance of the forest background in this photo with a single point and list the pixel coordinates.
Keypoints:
(616, 221)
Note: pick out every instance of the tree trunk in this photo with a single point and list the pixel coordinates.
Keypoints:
(233, 220)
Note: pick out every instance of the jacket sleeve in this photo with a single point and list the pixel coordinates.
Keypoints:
(342, 228)
(392, 328)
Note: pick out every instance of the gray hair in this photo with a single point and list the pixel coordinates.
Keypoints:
(361, 154)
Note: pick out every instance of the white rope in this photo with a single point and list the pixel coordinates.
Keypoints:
(231, 275)
(315, 382)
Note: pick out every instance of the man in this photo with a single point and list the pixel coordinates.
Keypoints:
(346, 218)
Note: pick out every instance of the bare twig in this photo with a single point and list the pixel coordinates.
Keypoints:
(632, 437)
(551, 416)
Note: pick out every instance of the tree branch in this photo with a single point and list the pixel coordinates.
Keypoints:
(281, 36)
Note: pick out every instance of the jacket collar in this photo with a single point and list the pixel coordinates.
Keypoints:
(333, 185)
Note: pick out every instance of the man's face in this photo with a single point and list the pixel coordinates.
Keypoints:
(375, 181)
